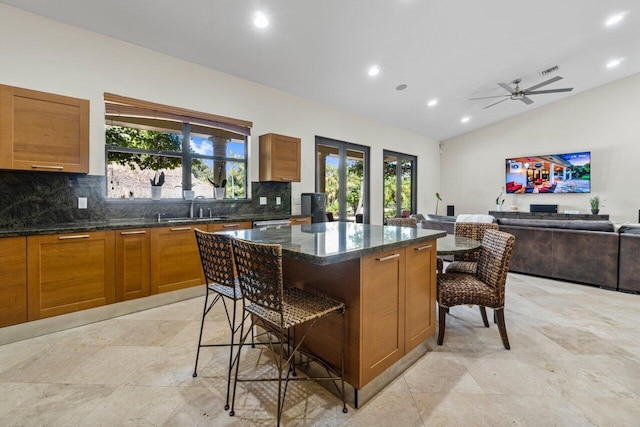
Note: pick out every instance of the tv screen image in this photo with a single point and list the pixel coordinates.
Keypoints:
(550, 173)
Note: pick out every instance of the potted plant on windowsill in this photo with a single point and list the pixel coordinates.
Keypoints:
(156, 186)
(219, 187)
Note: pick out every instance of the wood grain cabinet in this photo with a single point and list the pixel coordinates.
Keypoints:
(227, 226)
(133, 264)
(279, 158)
(13, 280)
(43, 132)
(300, 220)
(382, 305)
(175, 259)
(420, 294)
(69, 272)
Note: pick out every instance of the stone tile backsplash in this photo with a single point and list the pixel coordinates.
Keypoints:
(35, 199)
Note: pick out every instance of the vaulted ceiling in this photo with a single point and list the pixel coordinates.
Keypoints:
(445, 50)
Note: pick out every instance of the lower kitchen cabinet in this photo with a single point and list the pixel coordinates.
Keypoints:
(420, 307)
(13, 280)
(175, 259)
(69, 272)
(133, 259)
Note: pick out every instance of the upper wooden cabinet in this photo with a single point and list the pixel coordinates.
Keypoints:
(279, 158)
(43, 132)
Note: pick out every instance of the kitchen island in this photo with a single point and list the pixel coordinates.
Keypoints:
(387, 278)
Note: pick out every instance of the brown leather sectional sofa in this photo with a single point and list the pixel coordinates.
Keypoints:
(629, 272)
(590, 252)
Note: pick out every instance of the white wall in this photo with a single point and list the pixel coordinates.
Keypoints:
(604, 120)
(41, 54)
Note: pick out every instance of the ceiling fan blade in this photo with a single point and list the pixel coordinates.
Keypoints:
(538, 92)
(506, 87)
(544, 83)
(526, 100)
(487, 97)
(495, 103)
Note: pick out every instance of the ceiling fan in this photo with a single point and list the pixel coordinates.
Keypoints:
(522, 94)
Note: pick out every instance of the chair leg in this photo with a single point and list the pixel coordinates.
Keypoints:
(442, 312)
(495, 317)
(236, 363)
(344, 327)
(233, 334)
(483, 313)
(503, 329)
(204, 314)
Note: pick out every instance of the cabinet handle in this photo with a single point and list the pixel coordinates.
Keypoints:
(387, 258)
(286, 178)
(77, 236)
(47, 167)
(126, 233)
(300, 220)
(181, 229)
(230, 225)
(422, 248)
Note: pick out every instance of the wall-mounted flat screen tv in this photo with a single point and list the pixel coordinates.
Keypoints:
(551, 173)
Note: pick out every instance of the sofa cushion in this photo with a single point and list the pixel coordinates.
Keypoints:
(487, 219)
(569, 224)
(630, 229)
(440, 218)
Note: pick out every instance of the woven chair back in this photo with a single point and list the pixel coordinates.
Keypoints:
(403, 222)
(472, 230)
(216, 258)
(259, 268)
(493, 262)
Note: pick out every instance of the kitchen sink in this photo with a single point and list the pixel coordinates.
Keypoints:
(184, 220)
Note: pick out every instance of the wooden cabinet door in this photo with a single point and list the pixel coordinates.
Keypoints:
(13, 280)
(133, 259)
(175, 259)
(43, 132)
(279, 158)
(420, 315)
(69, 272)
(300, 220)
(382, 311)
(228, 226)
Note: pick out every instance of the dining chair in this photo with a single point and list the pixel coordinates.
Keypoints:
(467, 263)
(485, 288)
(221, 282)
(282, 311)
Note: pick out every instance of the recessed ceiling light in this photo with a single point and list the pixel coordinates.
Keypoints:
(465, 119)
(433, 102)
(614, 62)
(260, 20)
(374, 70)
(614, 19)
(401, 87)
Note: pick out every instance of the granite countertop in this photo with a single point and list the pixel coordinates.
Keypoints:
(127, 223)
(333, 242)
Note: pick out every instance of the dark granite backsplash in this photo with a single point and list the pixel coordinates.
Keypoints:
(35, 199)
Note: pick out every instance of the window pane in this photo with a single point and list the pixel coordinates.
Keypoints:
(328, 176)
(390, 186)
(208, 174)
(129, 175)
(155, 139)
(355, 183)
(407, 182)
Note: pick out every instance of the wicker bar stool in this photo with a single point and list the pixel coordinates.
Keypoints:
(217, 262)
(279, 309)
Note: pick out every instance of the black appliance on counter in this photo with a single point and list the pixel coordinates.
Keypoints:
(314, 204)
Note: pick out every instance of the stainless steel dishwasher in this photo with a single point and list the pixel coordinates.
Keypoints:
(275, 223)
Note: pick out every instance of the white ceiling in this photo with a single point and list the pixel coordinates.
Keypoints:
(322, 49)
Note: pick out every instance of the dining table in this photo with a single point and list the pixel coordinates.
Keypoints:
(456, 245)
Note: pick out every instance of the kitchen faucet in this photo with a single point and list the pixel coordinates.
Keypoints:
(193, 202)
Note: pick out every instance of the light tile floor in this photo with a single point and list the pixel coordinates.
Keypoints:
(574, 360)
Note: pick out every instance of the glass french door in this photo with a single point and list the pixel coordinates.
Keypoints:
(399, 171)
(342, 173)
